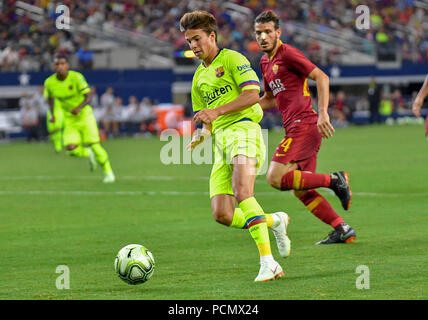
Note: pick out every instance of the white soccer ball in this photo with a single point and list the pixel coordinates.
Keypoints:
(134, 264)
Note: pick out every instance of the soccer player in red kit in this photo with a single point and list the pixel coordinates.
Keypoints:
(419, 101)
(285, 71)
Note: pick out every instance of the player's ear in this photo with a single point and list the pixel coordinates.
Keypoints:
(213, 36)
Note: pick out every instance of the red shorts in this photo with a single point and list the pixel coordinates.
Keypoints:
(300, 146)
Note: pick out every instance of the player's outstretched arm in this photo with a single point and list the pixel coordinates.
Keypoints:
(323, 88)
(245, 100)
(267, 101)
(419, 100)
(199, 136)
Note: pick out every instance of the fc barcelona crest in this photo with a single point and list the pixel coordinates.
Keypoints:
(219, 72)
(275, 68)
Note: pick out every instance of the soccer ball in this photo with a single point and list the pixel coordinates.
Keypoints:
(134, 264)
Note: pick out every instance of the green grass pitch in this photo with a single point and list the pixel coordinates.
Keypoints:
(55, 212)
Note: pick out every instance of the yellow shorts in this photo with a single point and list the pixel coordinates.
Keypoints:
(242, 138)
(59, 119)
(81, 129)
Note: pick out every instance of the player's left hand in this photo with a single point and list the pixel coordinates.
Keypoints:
(325, 128)
(199, 136)
(206, 115)
(75, 111)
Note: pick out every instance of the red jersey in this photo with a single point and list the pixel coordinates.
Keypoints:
(286, 76)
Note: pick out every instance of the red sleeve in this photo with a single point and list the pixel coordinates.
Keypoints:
(298, 62)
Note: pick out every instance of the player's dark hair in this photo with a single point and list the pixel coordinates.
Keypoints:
(268, 16)
(199, 20)
(61, 56)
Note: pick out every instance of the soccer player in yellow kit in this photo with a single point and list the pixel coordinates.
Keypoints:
(81, 136)
(56, 128)
(225, 95)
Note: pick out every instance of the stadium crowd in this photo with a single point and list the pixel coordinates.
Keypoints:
(114, 116)
(117, 117)
(27, 45)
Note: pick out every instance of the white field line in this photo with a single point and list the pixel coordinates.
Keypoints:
(95, 177)
(180, 193)
(154, 193)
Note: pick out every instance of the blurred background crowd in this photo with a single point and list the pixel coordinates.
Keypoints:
(28, 46)
(324, 30)
(114, 116)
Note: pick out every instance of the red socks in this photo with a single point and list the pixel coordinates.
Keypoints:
(320, 207)
(302, 180)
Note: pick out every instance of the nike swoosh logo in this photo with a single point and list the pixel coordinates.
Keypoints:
(274, 270)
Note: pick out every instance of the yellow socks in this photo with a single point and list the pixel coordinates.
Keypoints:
(256, 224)
(102, 157)
(239, 221)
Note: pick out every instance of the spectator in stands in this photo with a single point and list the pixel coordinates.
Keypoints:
(39, 102)
(30, 121)
(399, 105)
(129, 111)
(374, 92)
(107, 98)
(148, 122)
(95, 103)
(143, 117)
(24, 100)
(343, 105)
(362, 104)
(386, 106)
(112, 117)
(331, 102)
(85, 57)
(339, 111)
(313, 50)
(118, 118)
(9, 59)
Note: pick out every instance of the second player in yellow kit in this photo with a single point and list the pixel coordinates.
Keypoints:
(80, 137)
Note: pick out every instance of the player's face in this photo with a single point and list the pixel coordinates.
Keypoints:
(61, 66)
(202, 44)
(267, 36)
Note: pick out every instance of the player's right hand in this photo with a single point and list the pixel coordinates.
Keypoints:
(198, 137)
(52, 119)
(416, 107)
(325, 128)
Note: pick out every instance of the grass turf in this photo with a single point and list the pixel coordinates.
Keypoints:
(55, 212)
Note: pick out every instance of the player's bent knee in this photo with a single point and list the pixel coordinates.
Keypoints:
(222, 218)
(300, 193)
(241, 195)
(274, 180)
(70, 147)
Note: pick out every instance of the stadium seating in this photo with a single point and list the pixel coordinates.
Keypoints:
(324, 30)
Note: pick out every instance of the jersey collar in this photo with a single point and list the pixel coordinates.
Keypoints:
(218, 53)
